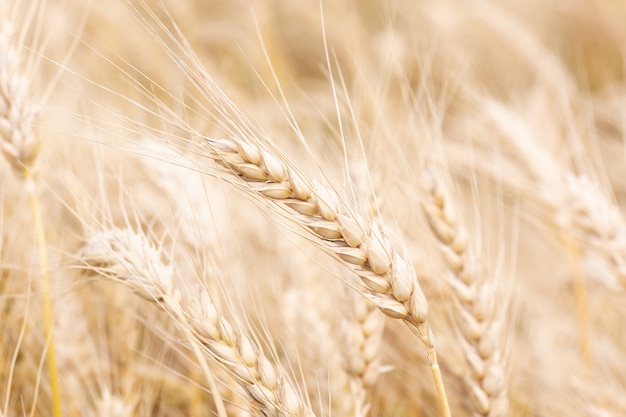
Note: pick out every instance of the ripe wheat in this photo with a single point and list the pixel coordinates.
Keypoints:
(520, 102)
(478, 312)
(130, 258)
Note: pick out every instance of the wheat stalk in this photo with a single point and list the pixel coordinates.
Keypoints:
(130, 258)
(19, 143)
(478, 312)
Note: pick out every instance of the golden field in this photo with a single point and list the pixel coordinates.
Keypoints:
(339, 208)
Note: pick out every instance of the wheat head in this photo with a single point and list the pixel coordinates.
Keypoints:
(477, 309)
(131, 259)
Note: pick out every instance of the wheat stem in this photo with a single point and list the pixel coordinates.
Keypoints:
(426, 336)
(44, 273)
(441, 392)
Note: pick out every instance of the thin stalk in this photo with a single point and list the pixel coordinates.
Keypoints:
(441, 390)
(426, 335)
(44, 275)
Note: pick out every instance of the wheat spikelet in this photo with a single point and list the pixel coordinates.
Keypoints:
(587, 222)
(130, 258)
(476, 307)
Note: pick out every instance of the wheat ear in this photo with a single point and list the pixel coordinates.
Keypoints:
(19, 144)
(389, 280)
(479, 316)
(130, 258)
(597, 220)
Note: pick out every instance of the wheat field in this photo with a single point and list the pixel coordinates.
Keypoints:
(312, 208)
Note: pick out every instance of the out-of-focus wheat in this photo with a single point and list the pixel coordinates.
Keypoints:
(362, 333)
(19, 143)
(479, 312)
(522, 102)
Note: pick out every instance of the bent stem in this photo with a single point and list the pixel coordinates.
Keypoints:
(426, 336)
(45, 291)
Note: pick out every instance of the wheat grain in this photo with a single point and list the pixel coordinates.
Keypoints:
(575, 202)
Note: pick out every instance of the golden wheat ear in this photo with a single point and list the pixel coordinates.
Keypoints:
(131, 259)
(387, 278)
